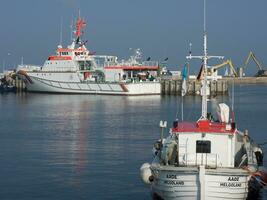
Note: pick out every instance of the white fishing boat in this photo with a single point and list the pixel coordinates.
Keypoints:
(207, 159)
(75, 70)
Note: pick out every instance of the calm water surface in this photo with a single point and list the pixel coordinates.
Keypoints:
(91, 147)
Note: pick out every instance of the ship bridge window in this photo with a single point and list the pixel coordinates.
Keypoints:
(203, 146)
(85, 65)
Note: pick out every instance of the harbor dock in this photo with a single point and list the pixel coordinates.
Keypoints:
(19, 84)
(246, 80)
(173, 87)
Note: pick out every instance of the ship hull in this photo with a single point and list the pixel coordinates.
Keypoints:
(37, 84)
(175, 183)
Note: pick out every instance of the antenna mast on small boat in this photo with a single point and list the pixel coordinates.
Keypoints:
(205, 59)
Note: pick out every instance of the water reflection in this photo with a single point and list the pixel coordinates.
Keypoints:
(77, 146)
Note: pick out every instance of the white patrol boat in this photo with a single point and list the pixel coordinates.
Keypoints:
(206, 159)
(75, 70)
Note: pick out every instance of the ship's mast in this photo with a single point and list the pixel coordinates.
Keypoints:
(205, 62)
(205, 59)
(79, 25)
(204, 88)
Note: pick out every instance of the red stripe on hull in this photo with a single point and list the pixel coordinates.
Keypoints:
(124, 88)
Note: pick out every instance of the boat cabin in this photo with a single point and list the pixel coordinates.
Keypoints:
(70, 59)
(205, 142)
(131, 70)
(131, 73)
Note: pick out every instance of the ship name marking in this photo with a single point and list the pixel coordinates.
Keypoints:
(233, 178)
(173, 182)
(230, 184)
(171, 176)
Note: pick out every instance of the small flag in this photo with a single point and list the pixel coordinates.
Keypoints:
(184, 76)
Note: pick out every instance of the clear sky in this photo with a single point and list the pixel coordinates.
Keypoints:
(161, 28)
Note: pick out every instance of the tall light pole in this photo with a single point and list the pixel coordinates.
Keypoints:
(3, 67)
(8, 60)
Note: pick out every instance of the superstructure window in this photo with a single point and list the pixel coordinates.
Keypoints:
(85, 65)
(203, 146)
(64, 53)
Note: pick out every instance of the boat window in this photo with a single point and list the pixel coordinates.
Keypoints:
(85, 65)
(64, 53)
(202, 146)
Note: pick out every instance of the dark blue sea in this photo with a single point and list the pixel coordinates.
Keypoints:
(61, 147)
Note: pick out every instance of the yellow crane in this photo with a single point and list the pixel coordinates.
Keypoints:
(212, 71)
(251, 55)
(214, 68)
(261, 71)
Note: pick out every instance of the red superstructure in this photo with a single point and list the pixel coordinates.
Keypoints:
(59, 58)
(204, 126)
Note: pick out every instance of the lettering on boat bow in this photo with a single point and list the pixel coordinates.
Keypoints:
(232, 182)
(173, 182)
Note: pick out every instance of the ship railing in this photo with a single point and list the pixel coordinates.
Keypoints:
(150, 63)
(124, 63)
(137, 80)
(207, 159)
(60, 69)
(133, 81)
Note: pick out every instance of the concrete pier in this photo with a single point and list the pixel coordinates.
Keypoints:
(247, 80)
(173, 87)
(19, 84)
